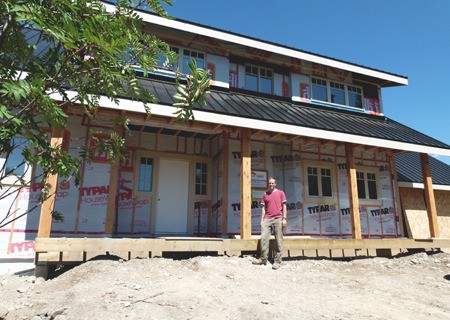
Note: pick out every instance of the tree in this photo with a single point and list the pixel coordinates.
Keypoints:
(56, 54)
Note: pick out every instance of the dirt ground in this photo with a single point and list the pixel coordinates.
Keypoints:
(414, 286)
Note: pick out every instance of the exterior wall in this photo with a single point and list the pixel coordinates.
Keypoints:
(415, 212)
(319, 216)
(84, 207)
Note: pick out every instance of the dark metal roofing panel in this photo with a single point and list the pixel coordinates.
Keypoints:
(246, 105)
(409, 169)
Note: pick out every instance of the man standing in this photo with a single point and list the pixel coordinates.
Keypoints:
(273, 218)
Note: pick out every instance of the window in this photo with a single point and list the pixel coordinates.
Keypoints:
(162, 62)
(319, 89)
(15, 162)
(145, 174)
(258, 79)
(354, 97)
(182, 64)
(189, 55)
(337, 93)
(201, 181)
(367, 185)
(319, 182)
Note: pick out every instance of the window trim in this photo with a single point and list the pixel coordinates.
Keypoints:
(346, 93)
(259, 68)
(320, 165)
(375, 171)
(202, 183)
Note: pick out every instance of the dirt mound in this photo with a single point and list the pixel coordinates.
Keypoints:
(409, 287)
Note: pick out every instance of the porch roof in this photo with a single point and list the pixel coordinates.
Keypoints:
(409, 171)
(283, 115)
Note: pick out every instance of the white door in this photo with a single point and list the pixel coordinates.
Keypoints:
(172, 196)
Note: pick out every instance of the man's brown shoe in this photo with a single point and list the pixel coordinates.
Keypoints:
(260, 262)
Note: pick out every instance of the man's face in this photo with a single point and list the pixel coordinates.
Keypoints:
(272, 184)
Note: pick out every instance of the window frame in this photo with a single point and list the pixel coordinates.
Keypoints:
(331, 85)
(320, 166)
(259, 76)
(180, 64)
(366, 171)
(13, 178)
(202, 184)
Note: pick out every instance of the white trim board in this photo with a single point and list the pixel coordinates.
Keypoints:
(244, 41)
(404, 184)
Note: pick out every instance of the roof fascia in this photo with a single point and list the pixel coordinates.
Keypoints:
(416, 185)
(241, 40)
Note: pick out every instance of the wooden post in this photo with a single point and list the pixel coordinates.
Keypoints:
(429, 195)
(246, 214)
(355, 219)
(47, 207)
(225, 152)
(112, 194)
(398, 207)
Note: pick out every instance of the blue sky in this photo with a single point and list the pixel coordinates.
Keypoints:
(406, 37)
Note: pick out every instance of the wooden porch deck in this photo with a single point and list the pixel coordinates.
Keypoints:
(61, 251)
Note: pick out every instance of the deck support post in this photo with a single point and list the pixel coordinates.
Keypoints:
(355, 219)
(47, 207)
(429, 196)
(246, 214)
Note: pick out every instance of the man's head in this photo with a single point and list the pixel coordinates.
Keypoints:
(272, 184)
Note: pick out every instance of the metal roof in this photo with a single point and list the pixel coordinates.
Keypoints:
(283, 111)
(409, 169)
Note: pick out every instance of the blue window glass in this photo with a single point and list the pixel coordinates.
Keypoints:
(337, 91)
(15, 162)
(145, 174)
(319, 89)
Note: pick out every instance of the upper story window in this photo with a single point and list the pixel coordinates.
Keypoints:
(189, 55)
(184, 56)
(258, 79)
(354, 96)
(163, 63)
(367, 185)
(319, 89)
(336, 92)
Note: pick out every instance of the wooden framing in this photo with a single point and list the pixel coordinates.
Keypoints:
(353, 192)
(112, 193)
(429, 195)
(246, 214)
(225, 152)
(47, 207)
(76, 250)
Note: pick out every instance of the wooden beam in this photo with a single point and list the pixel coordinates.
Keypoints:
(112, 193)
(397, 193)
(246, 214)
(353, 192)
(47, 207)
(429, 195)
(225, 151)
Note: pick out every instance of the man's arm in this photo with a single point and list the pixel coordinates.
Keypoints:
(263, 213)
